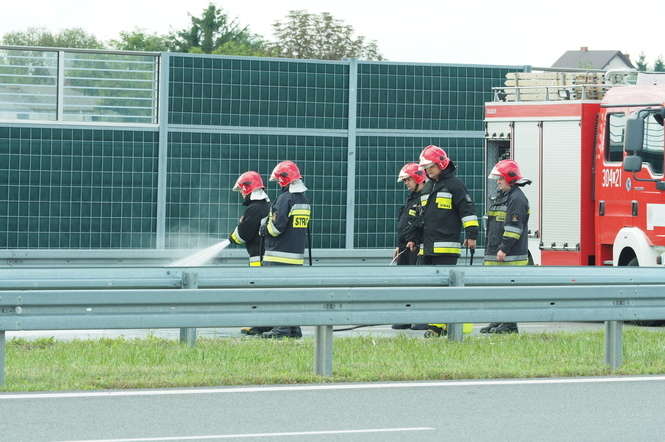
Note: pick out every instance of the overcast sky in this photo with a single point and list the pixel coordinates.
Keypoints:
(478, 32)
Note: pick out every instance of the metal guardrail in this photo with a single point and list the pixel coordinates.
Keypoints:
(157, 257)
(113, 298)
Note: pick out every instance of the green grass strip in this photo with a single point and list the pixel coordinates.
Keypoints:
(47, 364)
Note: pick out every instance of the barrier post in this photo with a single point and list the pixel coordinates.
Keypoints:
(323, 350)
(188, 335)
(456, 330)
(613, 344)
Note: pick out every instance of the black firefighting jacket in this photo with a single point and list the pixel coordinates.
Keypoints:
(407, 219)
(446, 208)
(247, 230)
(286, 228)
(507, 228)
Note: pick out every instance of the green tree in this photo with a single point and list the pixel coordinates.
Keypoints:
(322, 36)
(67, 38)
(215, 32)
(140, 40)
(659, 64)
(641, 63)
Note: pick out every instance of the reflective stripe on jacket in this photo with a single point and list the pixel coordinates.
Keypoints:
(286, 229)
(507, 228)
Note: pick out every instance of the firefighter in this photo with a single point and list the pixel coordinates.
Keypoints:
(446, 208)
(251, 188)
(414, 181)
(507, 227)
(285, 230)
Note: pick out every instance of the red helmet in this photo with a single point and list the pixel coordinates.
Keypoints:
(433, 155)
(508, 170)
(285, 173)
(411, 170)
(248, 182)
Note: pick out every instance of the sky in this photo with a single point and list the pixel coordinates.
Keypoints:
(470, 32)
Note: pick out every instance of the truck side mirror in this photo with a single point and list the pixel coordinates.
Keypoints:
(632, 163)
(634, 135)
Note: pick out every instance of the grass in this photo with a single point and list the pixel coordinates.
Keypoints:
(47, 364)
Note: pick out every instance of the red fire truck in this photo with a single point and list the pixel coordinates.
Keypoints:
(595, 155)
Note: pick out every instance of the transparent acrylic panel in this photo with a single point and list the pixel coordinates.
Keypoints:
(28, 85)
(110, 88)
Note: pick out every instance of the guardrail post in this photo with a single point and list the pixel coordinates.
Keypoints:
(2, 357)
(613, 344)
(323, 350)
(456, 330)
(190, 280)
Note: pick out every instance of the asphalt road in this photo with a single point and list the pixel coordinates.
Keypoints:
(578, 409)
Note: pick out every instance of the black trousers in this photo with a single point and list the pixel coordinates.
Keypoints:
(440, 260)
(281, 329)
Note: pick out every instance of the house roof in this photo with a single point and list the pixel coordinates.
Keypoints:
(589, 59)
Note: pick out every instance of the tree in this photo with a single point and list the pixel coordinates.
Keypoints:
(140, 40)
(67, 38)
(641, 63)
(215, 32)
(321, 36)
(659, 64)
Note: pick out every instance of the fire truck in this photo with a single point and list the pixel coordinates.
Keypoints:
(594, 152)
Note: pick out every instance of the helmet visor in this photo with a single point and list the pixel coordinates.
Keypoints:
(494, 174)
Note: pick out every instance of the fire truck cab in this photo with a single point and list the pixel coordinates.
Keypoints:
(594, 153)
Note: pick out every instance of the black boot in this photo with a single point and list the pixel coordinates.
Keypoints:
(401, 326)
(419, 327)
(489, 327)
(505, 327)
(283, 332)
(253, 331)
(434, 332)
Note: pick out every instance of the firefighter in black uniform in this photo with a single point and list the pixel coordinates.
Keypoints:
(507, 227)
(285, 231)
(251, 187)
(414, 180)
(446, 208)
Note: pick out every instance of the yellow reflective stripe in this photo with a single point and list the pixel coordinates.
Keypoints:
(300, 212)
(451, 250)
(496, 212)
(512, 235)
(272, 229)
(236, 238)
(255, 264)
(506, 263)
(271, 258)
(412, 212)
(471, 223)
(466, 328)
(421, 252)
